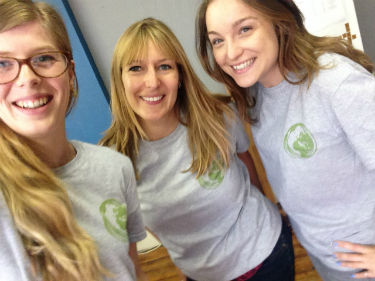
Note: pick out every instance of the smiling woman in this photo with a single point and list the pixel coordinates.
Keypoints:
(52, 196)
(24, 84)
(312, 102)
(189, 150)
(247, 49)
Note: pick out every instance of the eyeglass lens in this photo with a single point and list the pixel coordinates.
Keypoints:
(46, 65)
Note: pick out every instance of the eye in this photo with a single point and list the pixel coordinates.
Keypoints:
(5, 63)
(135, 68)
(45, 58)
(245, 29)
(216, 41)
(165, 67)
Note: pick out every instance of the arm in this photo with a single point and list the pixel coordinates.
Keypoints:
(362, 257)
(248, 160)
(354, 108)
(141, 276)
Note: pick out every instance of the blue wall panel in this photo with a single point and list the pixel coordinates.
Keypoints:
(92, 115)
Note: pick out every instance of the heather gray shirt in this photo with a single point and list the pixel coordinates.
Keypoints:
(318, 149)
(102, 190)
(215, 228)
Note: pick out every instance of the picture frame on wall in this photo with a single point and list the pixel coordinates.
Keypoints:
(91, 116)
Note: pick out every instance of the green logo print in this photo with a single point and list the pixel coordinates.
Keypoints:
(114, 217)
(214, 177)
(299, 142)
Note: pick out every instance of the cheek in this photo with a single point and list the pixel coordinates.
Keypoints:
(4, 90)
(218, 56)
(61, 84)
(273, 45)
(131, 85)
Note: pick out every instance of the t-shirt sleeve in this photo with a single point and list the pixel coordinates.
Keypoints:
(134, 225)
(237, 132)
(354, 106)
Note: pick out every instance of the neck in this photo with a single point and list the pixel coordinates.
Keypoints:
(159, 129)
(54, 153)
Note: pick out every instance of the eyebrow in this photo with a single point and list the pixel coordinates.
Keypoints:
(159, 61)
(234, 25)
(238, 22)
(34, 52)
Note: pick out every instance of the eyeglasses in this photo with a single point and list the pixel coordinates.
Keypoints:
(47, 64)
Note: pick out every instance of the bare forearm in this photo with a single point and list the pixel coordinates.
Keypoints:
(141, 276)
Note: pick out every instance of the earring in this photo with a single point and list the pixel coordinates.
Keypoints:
(179, 85)
(73, 91)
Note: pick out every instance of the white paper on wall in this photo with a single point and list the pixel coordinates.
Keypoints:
(331, 18)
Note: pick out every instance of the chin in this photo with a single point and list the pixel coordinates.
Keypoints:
(245, 83)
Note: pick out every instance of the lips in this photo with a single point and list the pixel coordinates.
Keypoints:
(244, 64)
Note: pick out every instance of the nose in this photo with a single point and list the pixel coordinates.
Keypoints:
(234, 51)
(27, 77)
(151, 79)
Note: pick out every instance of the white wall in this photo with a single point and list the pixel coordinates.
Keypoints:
(103, 21)
(365, 13)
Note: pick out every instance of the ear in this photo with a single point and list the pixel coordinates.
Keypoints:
(179, 78)
(71, 72)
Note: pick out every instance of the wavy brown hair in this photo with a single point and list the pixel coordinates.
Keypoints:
(298, 49)
(58, 248)
(203, 114)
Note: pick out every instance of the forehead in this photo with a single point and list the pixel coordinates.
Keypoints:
(25, 39)
(227, 13)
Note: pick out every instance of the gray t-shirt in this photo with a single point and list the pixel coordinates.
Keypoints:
(102, 190)
(216, 227)
(318, 149)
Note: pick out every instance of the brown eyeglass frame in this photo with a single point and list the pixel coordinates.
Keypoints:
(27, 61)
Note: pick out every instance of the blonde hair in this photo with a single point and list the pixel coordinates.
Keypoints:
(298, 49)
(203, 114)
(59, 249)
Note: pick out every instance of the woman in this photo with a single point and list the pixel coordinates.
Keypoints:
(194, 190)
(315, 124)
(68, 210)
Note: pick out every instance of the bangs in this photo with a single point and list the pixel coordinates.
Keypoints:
(137, 46)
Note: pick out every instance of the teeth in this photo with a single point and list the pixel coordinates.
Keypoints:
(152, 98)
(32, 104)
(243, 65)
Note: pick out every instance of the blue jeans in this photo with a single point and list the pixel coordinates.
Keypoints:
(279, 265)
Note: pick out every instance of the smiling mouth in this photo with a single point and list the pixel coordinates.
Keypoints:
(33, 104)
(244, 64)
(152, 98)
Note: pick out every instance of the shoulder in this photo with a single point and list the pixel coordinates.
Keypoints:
(234, 126)
(337, 70)
(102, 156)
(232, 118)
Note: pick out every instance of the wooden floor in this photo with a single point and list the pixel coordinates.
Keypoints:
(158, 266)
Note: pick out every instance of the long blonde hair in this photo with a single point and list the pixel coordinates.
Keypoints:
(58, 248)
(298, 49)
(203, 114)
